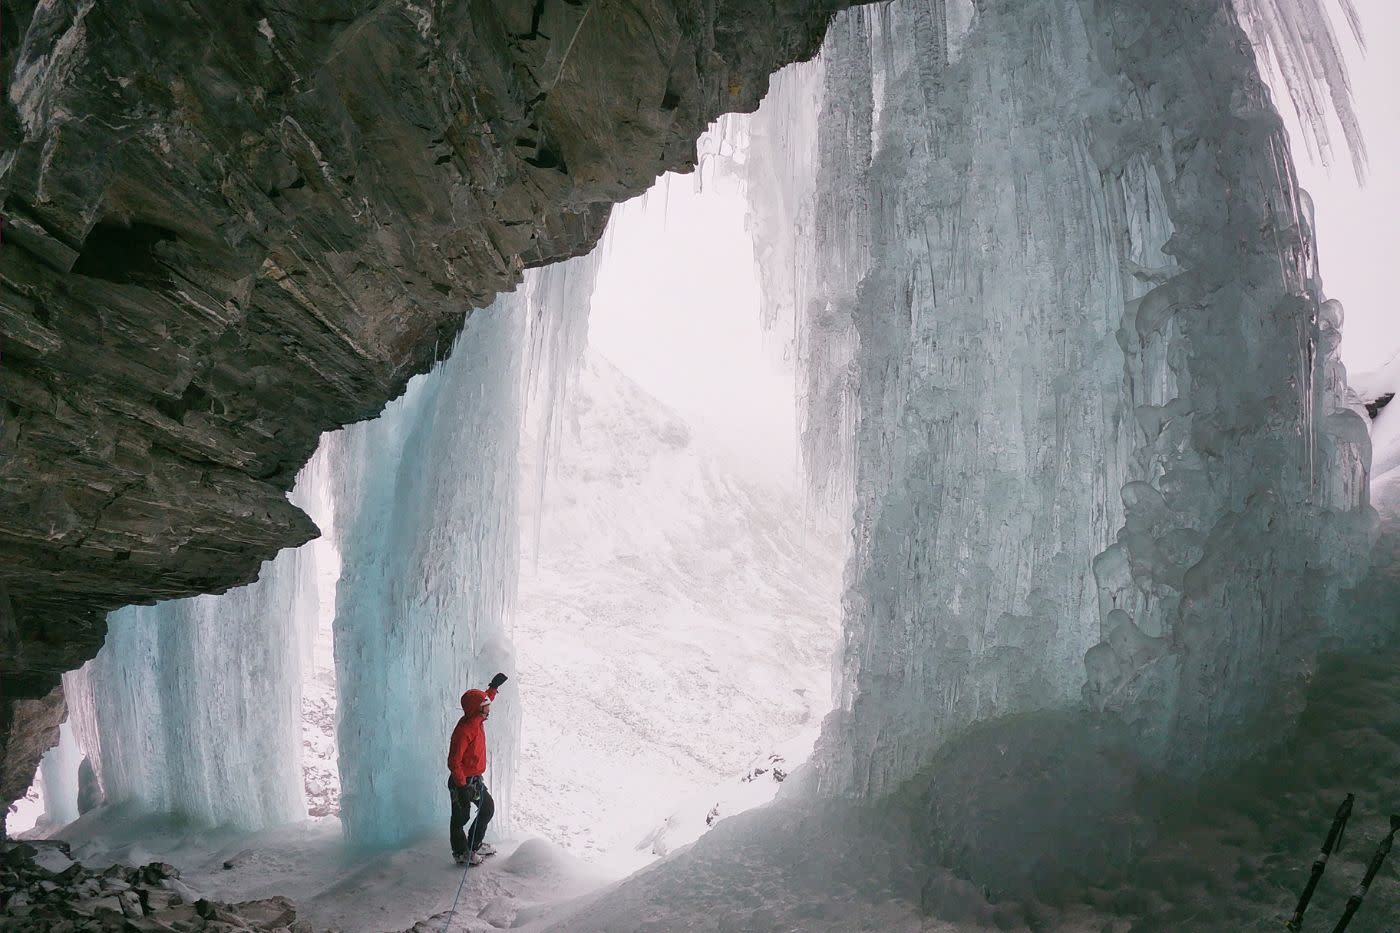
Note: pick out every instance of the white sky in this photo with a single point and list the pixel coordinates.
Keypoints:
(676, 309)
(1358, 228)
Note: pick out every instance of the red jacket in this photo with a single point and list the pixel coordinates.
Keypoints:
(466, 756)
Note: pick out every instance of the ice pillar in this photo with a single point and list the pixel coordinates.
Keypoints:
(426, 516)
(1100, 455)
(193, 706)
(59, 771)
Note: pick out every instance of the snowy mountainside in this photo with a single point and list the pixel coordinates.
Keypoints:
(674, 620)
(1376, 390)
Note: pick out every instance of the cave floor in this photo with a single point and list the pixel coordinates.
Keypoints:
(1234, 860)
(336, 889)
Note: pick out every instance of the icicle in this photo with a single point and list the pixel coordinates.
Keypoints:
(559, 299)
(1297, 42)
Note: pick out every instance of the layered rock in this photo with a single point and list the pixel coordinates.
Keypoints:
(27, 729)
(228, 229)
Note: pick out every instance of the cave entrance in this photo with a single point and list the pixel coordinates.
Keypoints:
(679, 598)
(636, 537)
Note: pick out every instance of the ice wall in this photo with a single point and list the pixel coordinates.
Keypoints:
(193, 706)
(1099, 449)
(426, 514)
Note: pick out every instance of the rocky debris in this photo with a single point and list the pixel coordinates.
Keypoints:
(775, 767)
(228, 228)
(42, 889)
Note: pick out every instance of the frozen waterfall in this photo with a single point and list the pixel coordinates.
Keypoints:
(426, 521)
(193, 706)
(59, 772)
(1062, 353)
(1055, 288)
(425, 511)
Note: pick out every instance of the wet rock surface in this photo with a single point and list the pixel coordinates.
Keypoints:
(43, 889)
(228, 228)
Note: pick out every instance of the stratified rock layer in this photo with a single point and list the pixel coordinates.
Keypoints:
(231, 227)
(27, 729)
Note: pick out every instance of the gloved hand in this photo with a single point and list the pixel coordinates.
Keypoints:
(497, 681)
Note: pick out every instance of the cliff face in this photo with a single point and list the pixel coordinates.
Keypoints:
(231, 227)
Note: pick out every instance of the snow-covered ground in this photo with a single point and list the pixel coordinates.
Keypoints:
(333, 887)
(1232, 857)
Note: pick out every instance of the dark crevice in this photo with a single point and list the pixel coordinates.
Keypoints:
(546, 156)
(125, 254)
(192, 399)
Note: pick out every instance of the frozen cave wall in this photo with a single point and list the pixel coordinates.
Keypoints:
(1063, 284)
(426, 501)
(193, 706)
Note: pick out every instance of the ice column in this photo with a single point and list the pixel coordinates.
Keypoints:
(1100, 454)
(59, 771)
(193, 706)
(810, 263)
(426, 516)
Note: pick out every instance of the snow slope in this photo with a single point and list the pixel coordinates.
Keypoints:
(676, 618)
(1233, 856)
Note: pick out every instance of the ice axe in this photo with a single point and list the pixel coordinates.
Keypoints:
(1372, 870)
(1332, 842)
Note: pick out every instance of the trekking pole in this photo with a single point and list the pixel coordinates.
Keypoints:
(1372, 870)
(1333, 841)
(465, 868)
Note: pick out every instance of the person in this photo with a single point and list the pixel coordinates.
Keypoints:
(466, 763)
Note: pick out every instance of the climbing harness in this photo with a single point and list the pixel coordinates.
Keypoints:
(465, 868)
(1333, 841)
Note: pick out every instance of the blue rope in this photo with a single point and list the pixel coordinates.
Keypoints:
(466, 868)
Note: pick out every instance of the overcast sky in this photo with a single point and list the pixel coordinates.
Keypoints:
(1358, 228)
(676, 309)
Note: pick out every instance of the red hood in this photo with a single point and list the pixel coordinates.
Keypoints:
(472, 702)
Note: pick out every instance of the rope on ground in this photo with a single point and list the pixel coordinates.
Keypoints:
(465, 868)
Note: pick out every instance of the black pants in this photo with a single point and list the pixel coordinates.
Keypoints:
(463, 843)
